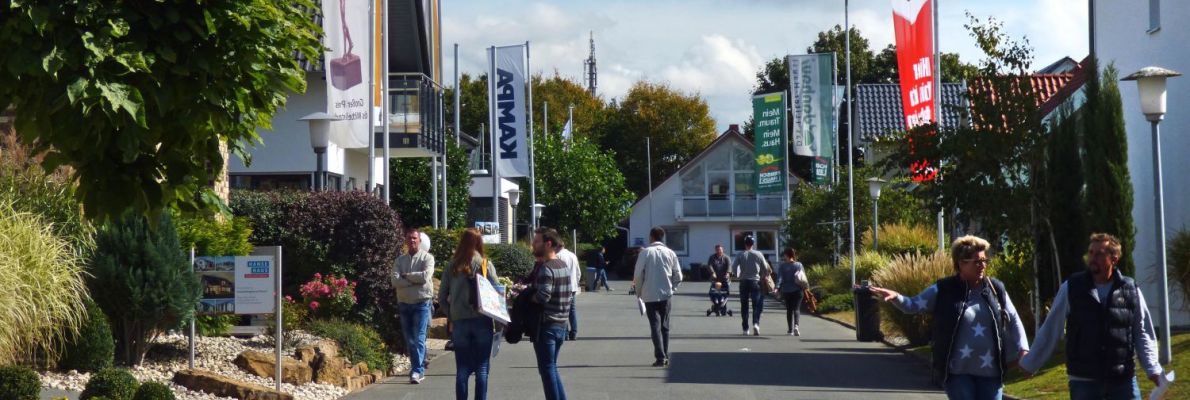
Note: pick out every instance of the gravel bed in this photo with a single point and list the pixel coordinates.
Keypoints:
(170, 352)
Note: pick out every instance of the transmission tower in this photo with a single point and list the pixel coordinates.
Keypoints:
(589, 68)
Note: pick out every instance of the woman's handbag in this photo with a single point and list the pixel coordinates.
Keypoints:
(809, 300)
(801, 279)
(767, 285)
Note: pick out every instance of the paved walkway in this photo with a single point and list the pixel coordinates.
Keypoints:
(710, 360)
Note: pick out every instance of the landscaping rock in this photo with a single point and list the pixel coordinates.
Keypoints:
(333, 370)
(438, 329)
(264, 365)
(219, 385)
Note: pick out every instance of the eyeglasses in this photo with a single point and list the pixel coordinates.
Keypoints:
(977, 261)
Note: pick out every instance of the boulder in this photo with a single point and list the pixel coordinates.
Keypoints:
(333, 370)
(264, 365)
(437, 329)
(361, 368)
(359, 382)
(218, 385)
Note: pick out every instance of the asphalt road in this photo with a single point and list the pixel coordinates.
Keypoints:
(710, 359)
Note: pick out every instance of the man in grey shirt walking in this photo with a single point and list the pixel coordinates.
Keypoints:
(413, 277)
(749, 265)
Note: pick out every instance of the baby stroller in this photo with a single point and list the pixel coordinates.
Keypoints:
(719, 294)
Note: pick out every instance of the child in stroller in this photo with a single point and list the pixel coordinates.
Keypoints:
(719, 293)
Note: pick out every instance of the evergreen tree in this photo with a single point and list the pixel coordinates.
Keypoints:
(1063, 233)
(1109, 185)
(142, 281)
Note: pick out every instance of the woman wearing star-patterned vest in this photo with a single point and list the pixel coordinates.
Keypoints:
(976, 331)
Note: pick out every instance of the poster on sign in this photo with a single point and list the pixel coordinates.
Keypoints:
(913, 23)
(236, 285)
(348, 79)
(254, 285)
(511, 137)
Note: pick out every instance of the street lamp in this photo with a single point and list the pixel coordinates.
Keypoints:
(320, 135)
(514, 198)
(1150, 84)
(874, 185)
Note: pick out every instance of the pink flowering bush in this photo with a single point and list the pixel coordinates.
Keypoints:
(328, 296)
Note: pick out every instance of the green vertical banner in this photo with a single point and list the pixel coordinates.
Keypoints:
(811, 84)
(768, 113)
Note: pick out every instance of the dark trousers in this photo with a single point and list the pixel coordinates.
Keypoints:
(658, 314)
(750, 292)
(793, 305)
(573, 315)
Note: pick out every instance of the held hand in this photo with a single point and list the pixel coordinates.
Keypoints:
(883, 294)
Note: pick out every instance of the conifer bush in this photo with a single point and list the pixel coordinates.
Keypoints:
(154, 391)
(94, 348)
(143, 282)
(111, 383)
(19, 383)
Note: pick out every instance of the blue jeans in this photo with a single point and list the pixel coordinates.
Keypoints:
(415, 320)
(472, 339)
(971, 387)
(573, 315)
(1080, 390)
(750, 292)
(548, 345)
(601, 278)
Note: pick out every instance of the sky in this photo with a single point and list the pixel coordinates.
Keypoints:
(714, 48)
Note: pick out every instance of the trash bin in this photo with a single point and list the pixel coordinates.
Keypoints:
(697, 272)
(867, 316)
(589, 275)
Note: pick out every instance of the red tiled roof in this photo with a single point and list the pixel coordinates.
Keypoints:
(1049, 90)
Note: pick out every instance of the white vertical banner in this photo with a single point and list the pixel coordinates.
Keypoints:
(509, 109)
(345, 24)
(810, 118)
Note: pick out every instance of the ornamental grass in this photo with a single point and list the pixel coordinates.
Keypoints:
(910, 274)
(42, 301)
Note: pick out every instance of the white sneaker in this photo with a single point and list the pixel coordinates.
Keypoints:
(747, 332)
(756, 330)
(416, 378)
(796, 332)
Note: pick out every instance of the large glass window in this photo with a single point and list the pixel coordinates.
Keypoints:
(766, 240)
(676, 239)
(694, 182)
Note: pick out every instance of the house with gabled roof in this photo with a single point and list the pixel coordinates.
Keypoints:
(712, 200)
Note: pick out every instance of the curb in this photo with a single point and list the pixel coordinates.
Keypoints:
(431, 355)
(903, 349)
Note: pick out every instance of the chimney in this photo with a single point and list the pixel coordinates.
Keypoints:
(733, 128)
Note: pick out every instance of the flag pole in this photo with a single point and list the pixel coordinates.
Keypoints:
(492, 141)
(850, 137)
(532, 167)
(371, 181)
(385, 100)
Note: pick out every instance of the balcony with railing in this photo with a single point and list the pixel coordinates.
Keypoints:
(415, 118)
(729, 207)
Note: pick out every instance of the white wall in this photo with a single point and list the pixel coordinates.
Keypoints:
(1121, 38)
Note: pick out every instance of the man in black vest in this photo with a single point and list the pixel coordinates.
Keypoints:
(1107, 326)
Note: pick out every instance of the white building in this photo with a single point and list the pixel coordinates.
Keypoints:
(711, 200)
(1133, 35)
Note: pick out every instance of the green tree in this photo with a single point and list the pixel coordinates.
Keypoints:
(138, 97)
(411, 192)
(474, 104)
(1109, 185)
(580, 186)
(1063, 227)
(561, 93)
(678, 124)
(142, 281)
(862, 58)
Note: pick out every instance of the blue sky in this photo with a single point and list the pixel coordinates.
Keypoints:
(714, 48)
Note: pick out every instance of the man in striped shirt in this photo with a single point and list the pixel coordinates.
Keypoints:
(555, 293)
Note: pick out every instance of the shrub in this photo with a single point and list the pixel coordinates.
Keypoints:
(896, 239)
(512, 260)
(19, 383)
(154, 391)
(93, 349)
(293, 317)
(353, 232)
(215, 325)
(357, 342)
(910, 274)
(142, 281)
(836, 302)
(329, 296)
(1179, 261)
(42, 304)
(112, 383)
(1014, 267)
(830, 280)
(211, 236)
(49, 196)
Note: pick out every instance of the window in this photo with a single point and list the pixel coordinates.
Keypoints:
(1154, 16)
(693, 182)
(766, 240)
(268, 182)
(675, 239)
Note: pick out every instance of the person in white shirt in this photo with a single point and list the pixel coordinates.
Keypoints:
(657, 275)
(571, 261)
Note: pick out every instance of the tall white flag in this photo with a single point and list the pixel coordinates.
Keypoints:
(509, 110)
(567, 130)
(348, 77)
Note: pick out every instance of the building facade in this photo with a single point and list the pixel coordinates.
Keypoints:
(1132, 35)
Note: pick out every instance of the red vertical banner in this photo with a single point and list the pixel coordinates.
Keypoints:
(913, 23)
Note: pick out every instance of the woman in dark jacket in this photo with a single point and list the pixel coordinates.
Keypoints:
(791, 289)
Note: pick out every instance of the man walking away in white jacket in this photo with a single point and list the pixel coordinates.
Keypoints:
(656, 276)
